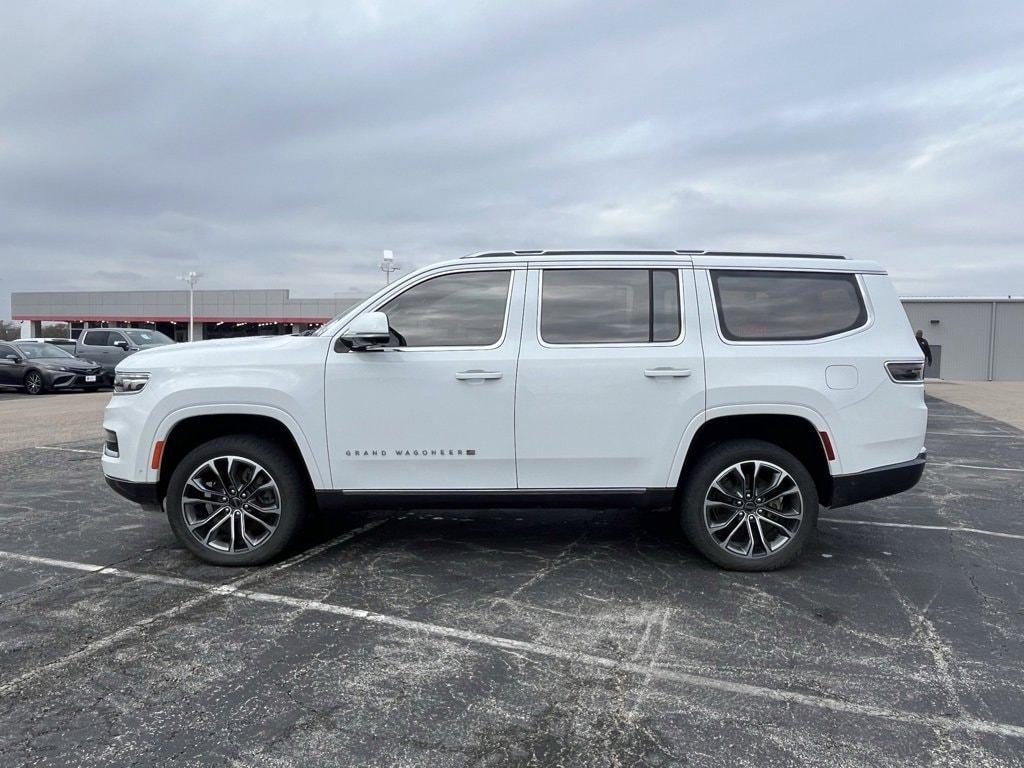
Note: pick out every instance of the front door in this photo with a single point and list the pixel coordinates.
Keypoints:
(434, 408)
(611, 374)
(11, 371)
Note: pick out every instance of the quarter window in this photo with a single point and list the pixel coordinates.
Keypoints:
(758, 305)
(465, 309)
(610, 306)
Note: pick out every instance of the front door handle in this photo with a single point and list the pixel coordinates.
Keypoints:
(475, 375)
(658, 373)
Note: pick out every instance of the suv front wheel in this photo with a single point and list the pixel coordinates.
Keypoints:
(749, 505)
(237, 500)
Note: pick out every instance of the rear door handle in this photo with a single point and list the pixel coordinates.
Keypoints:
(475, 375)
(658, 373)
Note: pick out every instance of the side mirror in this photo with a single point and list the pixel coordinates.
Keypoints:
(368, 330)
(121, 344)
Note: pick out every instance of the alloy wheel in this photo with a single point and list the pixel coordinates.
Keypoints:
(753, 509)
(34, 383)
(231, 504)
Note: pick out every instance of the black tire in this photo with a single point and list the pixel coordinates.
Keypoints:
(697, 487)
(34, 383)
(292, 487)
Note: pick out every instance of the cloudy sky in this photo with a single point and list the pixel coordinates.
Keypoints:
(284, 144)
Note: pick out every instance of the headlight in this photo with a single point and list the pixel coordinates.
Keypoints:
(129, 383)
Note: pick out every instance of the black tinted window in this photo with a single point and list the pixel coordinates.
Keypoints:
(97, 338)
(594, 306)
(459, 310)
(5, 351)
(781, 306)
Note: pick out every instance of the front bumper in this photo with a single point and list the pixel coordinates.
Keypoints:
(74, 380)
(877, 483)
(146, 494)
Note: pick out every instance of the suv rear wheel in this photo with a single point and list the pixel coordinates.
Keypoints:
(237, 500)
(749, 505)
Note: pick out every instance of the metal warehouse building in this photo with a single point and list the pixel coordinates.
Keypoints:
(971, 338)
(217, 314)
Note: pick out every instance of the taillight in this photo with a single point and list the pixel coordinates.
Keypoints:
(906, 373)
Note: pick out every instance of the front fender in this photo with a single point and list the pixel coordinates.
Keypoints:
(309, 455)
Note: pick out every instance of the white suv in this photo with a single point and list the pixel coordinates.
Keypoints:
(741, 389)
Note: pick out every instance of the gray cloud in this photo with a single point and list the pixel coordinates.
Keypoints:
(284, 145)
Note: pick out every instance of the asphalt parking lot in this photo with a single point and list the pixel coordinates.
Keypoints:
(517, 638)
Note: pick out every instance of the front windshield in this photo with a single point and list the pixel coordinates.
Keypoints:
(143, 338)
(38, 350)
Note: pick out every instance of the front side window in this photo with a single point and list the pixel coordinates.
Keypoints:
(5, 351)
(97, 338)
(757, 305)
(465, 309)
(610, 306)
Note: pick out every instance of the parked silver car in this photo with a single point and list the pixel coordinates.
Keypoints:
(109, 346)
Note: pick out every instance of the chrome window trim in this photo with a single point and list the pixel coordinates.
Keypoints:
(868, 309)
(611, 344)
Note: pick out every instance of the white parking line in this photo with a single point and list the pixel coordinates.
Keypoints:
(921, 527)
(973, 466)
(209, 591)
(70, 450)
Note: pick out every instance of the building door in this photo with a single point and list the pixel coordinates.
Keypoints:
(933, 371)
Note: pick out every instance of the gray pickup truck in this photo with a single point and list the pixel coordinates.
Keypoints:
(109, 346)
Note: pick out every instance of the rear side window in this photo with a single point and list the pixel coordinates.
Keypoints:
(97, 338)
(758, 305)
(610, 306)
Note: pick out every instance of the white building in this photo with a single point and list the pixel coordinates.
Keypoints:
(975, 339)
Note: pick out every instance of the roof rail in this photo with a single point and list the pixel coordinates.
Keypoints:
(777, 255)
(676, 252)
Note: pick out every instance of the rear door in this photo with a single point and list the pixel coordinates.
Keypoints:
(93, 346)
(96, 346)
(611, 374)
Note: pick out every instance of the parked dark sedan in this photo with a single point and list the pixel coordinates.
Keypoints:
(40, 367)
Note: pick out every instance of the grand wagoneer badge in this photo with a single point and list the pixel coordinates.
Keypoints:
(420, 452)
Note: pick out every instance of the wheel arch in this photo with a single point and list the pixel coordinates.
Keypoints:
(34, 369)
(187, 428)
(798, 433)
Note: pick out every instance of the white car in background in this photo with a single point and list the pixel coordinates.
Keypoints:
(742, 390)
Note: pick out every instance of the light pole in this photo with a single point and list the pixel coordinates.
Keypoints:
(387, 265)
(191, 278)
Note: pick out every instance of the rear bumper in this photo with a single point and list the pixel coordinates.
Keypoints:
(877, 483)
(146, 494)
